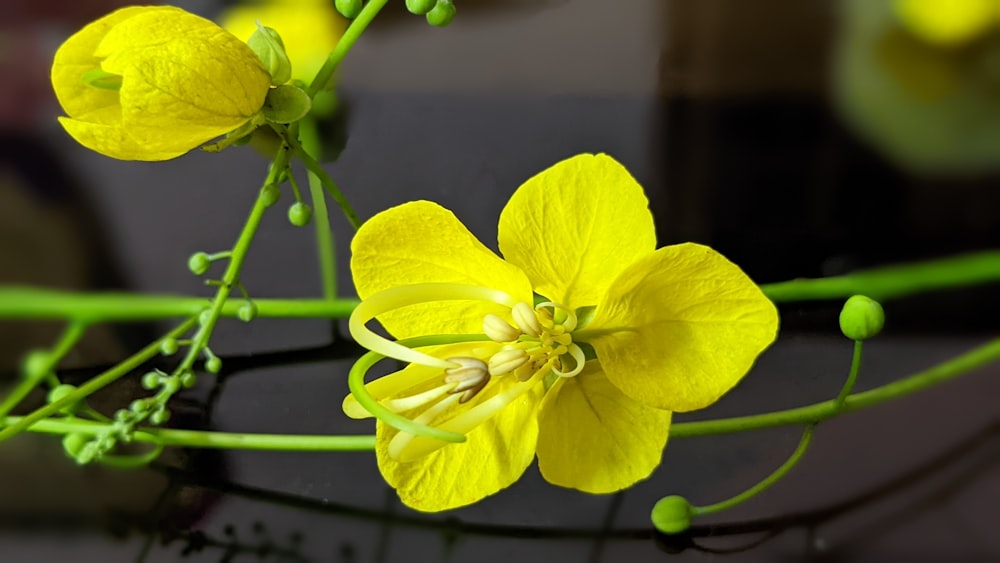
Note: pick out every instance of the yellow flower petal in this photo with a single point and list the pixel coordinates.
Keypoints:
(681, 327)
(594, 438)
(573, 227)
(422, 242)
(494, 456)
(310, 29)
(115, 142)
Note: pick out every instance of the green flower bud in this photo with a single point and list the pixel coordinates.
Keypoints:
(420, 7)
(270, 194)
(60, 391)
(286, 104)
(442, 13)
(35, 364)
(299, 214)
(213, 364)
(73, 444)
(159, 417)
(348, 8)
(861, 318)
(139, 406)
(188, 380)
(672, 515)
(271, 49)
(247, 312)
(151, 380)
(199, 263)
(168, 346)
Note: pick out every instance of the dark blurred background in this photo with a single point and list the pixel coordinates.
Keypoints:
(798, 138)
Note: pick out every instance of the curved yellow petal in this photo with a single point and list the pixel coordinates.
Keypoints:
(681, 327)
(113, 141)
(594, 438)
(422, 242)
(310, 29)
(573, 227)
(494, 456)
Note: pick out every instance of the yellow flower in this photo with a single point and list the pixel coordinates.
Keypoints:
(153, 82)
(310, 29)
(622, 335)
(948, 22)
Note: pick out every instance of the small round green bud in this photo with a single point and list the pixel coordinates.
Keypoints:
(73, 443)
(213, 364)
(60, 391)
(160, 416)
(87, 453)
(124, 416)
(299, 214)
(247, 311)
(198, 263)
(672, 515)
(139, 406)
(348, 8)
(168, 346)
(861, 318)
(151, 380)
(420, 7)
(35, 363)
(270, 194)
(171, 385)
(188, 380)
(442, 13)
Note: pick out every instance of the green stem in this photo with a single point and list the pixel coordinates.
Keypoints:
(331, 187)
(765, 483)
(893, 281)
(203, 439)
(347, 40)
(852, 376)
(326, 255)
(69, 338)
(94, 384)
(819, 412)
(29, 303)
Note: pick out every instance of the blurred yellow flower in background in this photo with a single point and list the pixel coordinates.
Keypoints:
(153, 82)
(948, 22)
(309, 29)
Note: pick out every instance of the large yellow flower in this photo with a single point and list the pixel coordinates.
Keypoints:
(153, 82)
(592, 336)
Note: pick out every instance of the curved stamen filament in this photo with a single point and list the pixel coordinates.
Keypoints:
(402, 296)
(580, 358)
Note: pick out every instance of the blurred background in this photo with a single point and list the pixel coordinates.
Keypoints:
(800, 139)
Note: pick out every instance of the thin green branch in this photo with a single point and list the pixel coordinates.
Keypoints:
(347, 40)
(325, 253)
(69, 338)
(331, 187)
(891, 282)
(136, 360)
(819, 412)
(852, 376)
(28, 303)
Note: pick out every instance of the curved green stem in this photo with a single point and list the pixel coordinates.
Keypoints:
(347, 40)
(203, 439)
(314, 167)
(819, 412)
(46, 304)
(765, 483)
(69, 338)
(325, 253)
(893, 281)
(137, 359)
(852, 376)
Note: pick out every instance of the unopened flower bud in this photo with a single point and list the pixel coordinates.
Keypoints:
(198, 263)
(442, 13)
(420, 7)
(60, 391)
(268, 45)
(672, 515)
(861, 318)
(348, 8)
(299, 214)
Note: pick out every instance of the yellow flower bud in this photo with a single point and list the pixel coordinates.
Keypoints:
(153, 82)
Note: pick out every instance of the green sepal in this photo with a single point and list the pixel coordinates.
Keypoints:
(286, 104)
(102, 79)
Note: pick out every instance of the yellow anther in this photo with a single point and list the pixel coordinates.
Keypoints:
(469, 378)
(499, 330)
(506, 361)
(526, 319)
